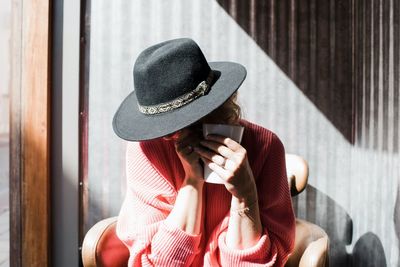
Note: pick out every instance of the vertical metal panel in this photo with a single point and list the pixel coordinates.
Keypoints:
(377, 100)
(5, 34)
(15, 136)
(377, 75)
(5, 66)
(65, 160)
(318, 76)
(385, 46)
(396, 74)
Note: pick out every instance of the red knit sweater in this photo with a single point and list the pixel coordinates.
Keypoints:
(154, 176)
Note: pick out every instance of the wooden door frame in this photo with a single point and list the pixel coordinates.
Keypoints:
(30, 92)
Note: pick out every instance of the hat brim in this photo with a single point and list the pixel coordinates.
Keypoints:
(132, 125)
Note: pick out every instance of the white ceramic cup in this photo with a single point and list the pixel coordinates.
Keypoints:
(235, 132)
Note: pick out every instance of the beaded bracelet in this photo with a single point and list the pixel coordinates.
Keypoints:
(244, 211)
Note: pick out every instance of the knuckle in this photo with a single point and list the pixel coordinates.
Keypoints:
(215, 158)
(220, 149)
(238, 158)
(229, 141)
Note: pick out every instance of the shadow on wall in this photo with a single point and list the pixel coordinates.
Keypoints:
(368, 252)
(325, 212)
(311, 43)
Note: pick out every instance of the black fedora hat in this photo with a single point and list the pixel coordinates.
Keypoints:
(174, 86)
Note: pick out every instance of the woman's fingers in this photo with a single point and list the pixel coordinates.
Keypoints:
(228, 159)
(211, 156)
(186, 142)
(184, 148)
(186, 138)
(220, 171)
(228, 142)
(224, 147)
(218, 148)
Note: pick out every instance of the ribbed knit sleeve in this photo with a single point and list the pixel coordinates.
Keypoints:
(149, 200)
(276, 214)
(276, 211)
(261, 254)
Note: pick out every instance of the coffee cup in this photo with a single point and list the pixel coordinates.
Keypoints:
(235, 132)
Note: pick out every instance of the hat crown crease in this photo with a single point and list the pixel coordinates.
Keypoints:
(169, 70)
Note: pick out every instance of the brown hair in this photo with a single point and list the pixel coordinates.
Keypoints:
(227, 113)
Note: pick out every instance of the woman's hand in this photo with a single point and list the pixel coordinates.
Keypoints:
(228, 159)
(187, 211)
(186, 140)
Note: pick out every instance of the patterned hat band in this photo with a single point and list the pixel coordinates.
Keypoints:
(180, 101)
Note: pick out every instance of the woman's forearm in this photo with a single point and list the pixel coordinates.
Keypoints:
(244, 229)
(186, 214)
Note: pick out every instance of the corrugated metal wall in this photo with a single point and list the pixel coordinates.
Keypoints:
(309, 80)
(5, 35)
(376, 75)
(5, 49)
(377, 62)
(308, 40)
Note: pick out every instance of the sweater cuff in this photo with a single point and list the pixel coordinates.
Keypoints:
(175, 246)
(259, 253)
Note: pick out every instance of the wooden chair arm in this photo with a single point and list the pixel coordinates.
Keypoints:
(297, 173)
(311, 246)
(102, 247)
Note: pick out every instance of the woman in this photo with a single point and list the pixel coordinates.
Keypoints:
(170, 216)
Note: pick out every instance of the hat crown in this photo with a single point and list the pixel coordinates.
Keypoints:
(168, 70)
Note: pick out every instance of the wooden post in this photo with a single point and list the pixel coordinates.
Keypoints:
(30, 134)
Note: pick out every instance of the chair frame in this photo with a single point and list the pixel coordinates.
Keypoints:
(311, 241)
